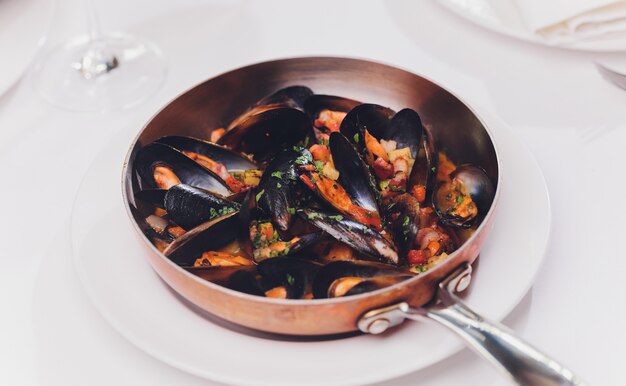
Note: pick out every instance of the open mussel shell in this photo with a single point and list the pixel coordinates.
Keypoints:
(374, 118)
(293, 273)
(279, 191)
(354, 176)
(316, 103)
(209, 236)
(154, 197)
(265, 134)
(189, 207)
(220, 275)
(185, 169)
(406, 129)
(465, 180)
(232, 160)
(246, 282)
(358, 236)
(404, 218)
(426, 164)
(327, 276)
(292, 97)
(373, 284)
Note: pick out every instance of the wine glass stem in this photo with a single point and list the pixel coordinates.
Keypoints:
(97, 60)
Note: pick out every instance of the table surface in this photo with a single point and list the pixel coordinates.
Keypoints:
(572, 120)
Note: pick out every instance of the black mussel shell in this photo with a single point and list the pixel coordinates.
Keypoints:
(376, 283)
(316, 103)
(292, 96)
(406, 129)
(155, 197)
(209, 236)
(265, 134)
(295, 274)
(469, 180)
(187, 171)
(426, 164)
(354, 176)
(374, 118)
(404, 217)
(341, 269)
(189, 207)
(279, 192)
(219, 275)
(358, 236)
(246, 282)
(232, 160)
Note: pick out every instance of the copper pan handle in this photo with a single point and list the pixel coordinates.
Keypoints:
(514, 357)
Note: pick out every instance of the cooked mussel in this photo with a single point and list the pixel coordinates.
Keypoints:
(328, 111)
(404, 216)
(355, 234)
(293, 274)
(235, 170)
(189, 207)
(161, 166)
(343, 181)
(265, 134)
(468, 193)
(368, 116)
(279, 192)
(209, 236)
(338, 278)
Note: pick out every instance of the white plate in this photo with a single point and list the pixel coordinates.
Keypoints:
(131, 297)
(502, 16)
(23, 26)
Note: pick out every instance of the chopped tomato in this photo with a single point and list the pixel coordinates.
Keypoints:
(418, 257)
(307, 181)
(329, 119)
(434, 247)
(382, 169)
(320, 153)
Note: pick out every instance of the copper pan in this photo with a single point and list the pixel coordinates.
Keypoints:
(455, 126)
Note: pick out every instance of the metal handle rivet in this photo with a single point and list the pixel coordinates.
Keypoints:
(378, 326)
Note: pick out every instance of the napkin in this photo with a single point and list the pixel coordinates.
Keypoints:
(567, 21)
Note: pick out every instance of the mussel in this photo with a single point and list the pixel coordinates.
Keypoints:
(279, 190)
(355, 234)
(189, 207)
(339, 278)
(344, 182)
(295, 275)
(161, 166)
(235, 170)
(327, 112)
(469, 192)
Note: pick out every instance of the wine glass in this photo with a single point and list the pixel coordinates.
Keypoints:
(99, 72)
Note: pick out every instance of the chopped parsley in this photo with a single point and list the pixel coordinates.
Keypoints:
(433, 169)
(319, 165)
(305, 158)
(278, 185)
(336, 218)
(406, 221)
(259, 195)
(313, 216)
(459, 199)
(291, 210)
(290, 279)
(356, 137)
(306, 141)
(449, 196)
(277, 174)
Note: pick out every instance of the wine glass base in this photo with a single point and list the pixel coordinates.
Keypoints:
(112, 72)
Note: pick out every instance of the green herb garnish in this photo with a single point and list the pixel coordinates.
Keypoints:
(291, 210)
(336, 218)
(459, 199)
(277, 174)
(290, 279)
(356, 137)
(258, 196)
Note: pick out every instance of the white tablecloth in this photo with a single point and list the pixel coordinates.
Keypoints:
(572, 120)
